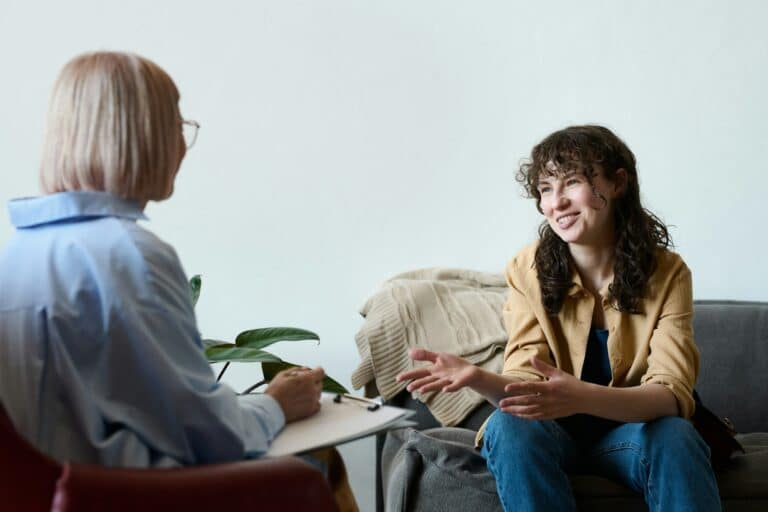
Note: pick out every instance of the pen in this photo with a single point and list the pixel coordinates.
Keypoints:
(372, 405)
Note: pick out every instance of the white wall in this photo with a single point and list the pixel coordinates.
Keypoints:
(345, 141)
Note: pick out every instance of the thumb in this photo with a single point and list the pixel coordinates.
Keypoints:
(544, 368)
(318, 373)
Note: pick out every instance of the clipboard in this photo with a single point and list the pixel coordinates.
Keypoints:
(339, 421)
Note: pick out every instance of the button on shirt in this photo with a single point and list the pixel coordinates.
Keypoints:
(100, 357)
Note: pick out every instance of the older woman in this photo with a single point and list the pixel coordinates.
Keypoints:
(100, 356)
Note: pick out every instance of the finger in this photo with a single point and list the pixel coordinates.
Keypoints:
(310, 378)
(546, 369)
(524, 388)
(314, 387)
(454, 386)
(417, 384)
(437, 385)
(282, 378)
(310, 400)
(535, 417)
(522, 410)
(520, 400)
(318, 373)
(420, 354)
(297, 371)
(416, 373)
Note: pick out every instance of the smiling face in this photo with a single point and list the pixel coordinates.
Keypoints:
(579, 212)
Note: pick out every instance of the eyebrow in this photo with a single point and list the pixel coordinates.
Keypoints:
(546, 178)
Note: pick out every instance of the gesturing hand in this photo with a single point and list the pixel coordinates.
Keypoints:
(557, 397)
(446, 373)
(297, 390)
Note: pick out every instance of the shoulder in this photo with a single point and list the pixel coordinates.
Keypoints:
(130, 257)
(521, 269)
(669, 266)
(156, 253)
(125, 261)
(521, 272)
(162, 270)
(671, 279)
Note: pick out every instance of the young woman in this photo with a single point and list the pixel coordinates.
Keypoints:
(600, 365)
(100, 357)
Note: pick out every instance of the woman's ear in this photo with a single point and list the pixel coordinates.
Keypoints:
(620, 181)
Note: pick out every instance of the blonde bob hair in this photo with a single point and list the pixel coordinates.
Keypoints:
(114, 126)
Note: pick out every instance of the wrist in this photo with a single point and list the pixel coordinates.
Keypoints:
(276, 396)
(475, 376)
(584, 397)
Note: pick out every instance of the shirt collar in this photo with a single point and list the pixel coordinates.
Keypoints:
(577, 286)
(70, 206)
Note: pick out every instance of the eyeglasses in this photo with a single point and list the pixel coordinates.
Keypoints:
(190, 129)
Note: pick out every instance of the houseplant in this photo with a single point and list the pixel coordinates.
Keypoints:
(249, 346)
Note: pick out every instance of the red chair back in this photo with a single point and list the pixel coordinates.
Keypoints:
(27, 477)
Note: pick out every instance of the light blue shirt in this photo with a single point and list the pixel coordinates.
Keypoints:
(100, 357)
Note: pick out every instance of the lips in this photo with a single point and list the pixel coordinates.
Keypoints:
(566, 221)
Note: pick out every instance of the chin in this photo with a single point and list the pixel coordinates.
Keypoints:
(570, 238)
(565, 236)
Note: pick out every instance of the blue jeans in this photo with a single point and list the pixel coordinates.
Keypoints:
(665, 460)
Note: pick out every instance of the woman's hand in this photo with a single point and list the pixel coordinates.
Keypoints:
(297, 390)
(446, 373)
(558, 396)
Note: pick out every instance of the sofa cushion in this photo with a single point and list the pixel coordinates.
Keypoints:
(747, 474)
(436, 470)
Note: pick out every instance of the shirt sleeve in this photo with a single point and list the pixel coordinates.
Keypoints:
(674, 358)
(156, 381)
(526, 337)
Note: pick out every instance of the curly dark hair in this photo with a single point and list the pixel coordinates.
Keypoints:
(589, 150)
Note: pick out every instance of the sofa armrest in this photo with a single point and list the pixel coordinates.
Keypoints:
(285, 483)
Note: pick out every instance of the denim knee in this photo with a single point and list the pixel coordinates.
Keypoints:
(516, 435)
(678, 473)
(672, 437)
(527, 457)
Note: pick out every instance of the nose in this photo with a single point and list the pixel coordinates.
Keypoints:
(560, 200)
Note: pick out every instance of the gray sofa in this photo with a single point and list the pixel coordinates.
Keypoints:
(429, 468)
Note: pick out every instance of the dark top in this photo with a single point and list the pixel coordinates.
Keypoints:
(597, 367)
(597, 370)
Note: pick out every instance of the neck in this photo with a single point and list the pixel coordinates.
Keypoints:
(594, 264)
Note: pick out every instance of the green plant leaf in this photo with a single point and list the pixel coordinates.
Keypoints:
(195, 284)
(231, 353)
(260, 338)
(208, 343)
(271, 369)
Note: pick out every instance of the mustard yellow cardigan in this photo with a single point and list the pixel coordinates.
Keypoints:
(655, 346)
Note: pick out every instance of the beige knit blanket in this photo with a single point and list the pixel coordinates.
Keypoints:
(440, 309)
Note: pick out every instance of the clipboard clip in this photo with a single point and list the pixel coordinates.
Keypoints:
(371, 405)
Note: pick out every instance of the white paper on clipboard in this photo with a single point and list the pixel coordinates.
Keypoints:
(336, 423)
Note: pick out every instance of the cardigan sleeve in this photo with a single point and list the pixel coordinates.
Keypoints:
(674, 358)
